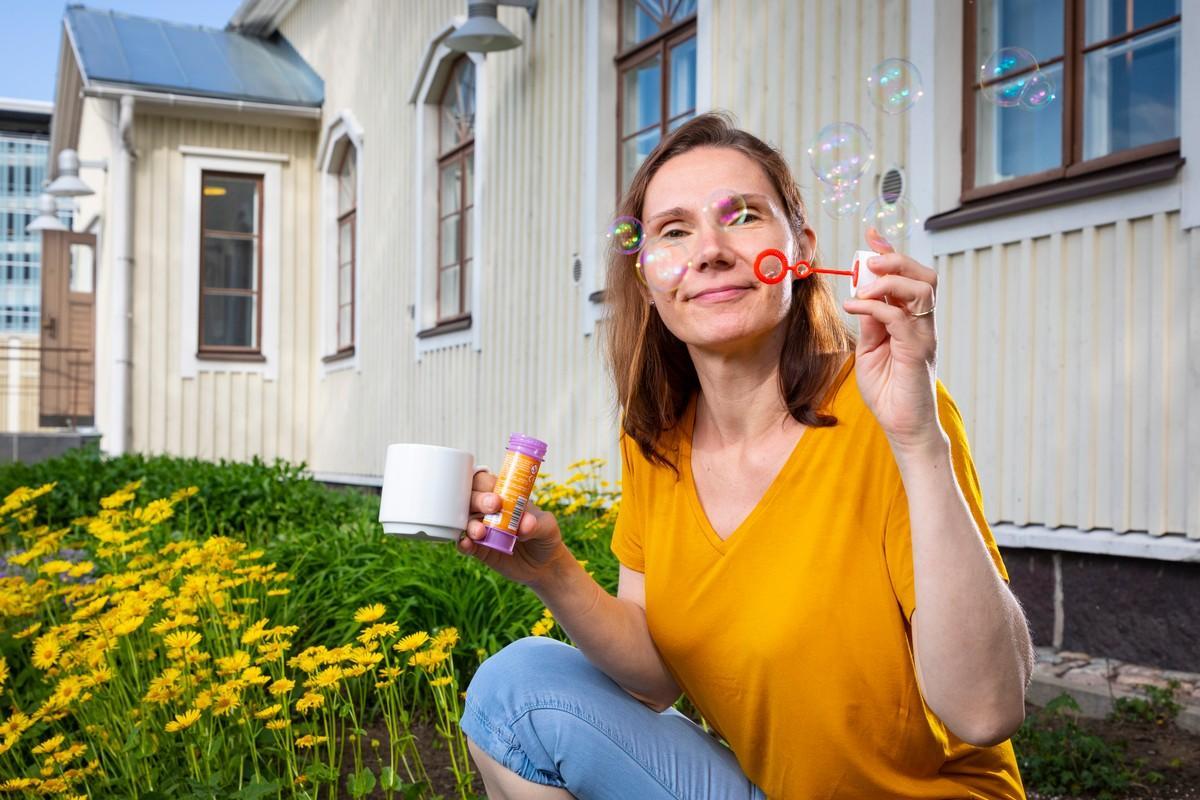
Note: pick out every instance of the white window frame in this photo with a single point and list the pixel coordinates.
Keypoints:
(268, 166)
(342, 131)
(426, 95)
(600, 139)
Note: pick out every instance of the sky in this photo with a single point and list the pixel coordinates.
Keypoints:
(30, 31)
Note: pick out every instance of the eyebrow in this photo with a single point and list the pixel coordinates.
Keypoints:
(680, 211)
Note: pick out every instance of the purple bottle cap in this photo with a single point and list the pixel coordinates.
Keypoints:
(498, 540)
(534, 448)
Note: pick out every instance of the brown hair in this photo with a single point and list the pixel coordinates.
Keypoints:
(652, 369)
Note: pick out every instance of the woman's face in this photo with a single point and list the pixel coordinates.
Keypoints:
(721, 250)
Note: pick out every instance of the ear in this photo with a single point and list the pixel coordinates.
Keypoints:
(806, 246)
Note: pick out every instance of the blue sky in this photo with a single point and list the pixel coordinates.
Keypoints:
(30, 31)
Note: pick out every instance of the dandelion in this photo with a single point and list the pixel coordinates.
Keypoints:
(370, 613)
(268, 712)
(255, 631)
(325, 678)
(182, 640)
(128, 626)
(46, 651)
(225, 703)
(411, 642)
(281, 686)
(48, 746)
(445, 680)
(184, 720)
(278, 724)
(310, 741)
(378, 631)
(25, 633)
(231, 664)
(446, 638)
(310, 700)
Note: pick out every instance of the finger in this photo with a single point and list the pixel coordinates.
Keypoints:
(877, 241)
(483, 481)
(475, 529)
(914, 295)
(900, 264)
(876, 310)
(529, 521)
(484, 502)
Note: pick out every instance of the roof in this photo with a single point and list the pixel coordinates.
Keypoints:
(155, 55)
(25, 116)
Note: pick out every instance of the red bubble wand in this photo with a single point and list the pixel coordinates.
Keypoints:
(772, 265)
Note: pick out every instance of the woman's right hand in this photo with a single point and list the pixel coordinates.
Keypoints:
(539, 540)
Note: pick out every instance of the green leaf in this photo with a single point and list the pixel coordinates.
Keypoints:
(388, 779)
(254, 791)
(320, 772)
(414, 791)
(360, 783)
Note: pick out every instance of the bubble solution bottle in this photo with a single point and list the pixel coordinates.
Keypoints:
(513, 484)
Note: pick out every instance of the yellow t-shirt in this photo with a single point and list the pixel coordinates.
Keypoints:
(792, 636)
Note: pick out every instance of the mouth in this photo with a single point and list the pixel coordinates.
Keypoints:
(718, 294)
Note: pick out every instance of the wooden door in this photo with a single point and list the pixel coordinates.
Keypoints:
(66, 396)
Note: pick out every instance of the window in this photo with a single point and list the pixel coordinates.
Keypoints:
(1114, 68)
(347, 204)
(456, 165)
(656, 77)
(230, 264)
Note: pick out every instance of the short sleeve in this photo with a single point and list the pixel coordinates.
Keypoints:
(898, 534)
(627, 533)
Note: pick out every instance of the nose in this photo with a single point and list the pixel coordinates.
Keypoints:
(713, 251)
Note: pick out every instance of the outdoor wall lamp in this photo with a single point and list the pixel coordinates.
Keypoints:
(47, 218)
(482, 32)
(68, 183)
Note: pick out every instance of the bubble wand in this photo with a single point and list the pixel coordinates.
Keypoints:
(772, 265)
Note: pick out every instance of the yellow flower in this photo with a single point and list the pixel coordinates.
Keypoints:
(378, 631)
(48, 746)
(225, 703)
(255, 631)
(128, 626)
(310, 741)
(446, 638)
(310, 700)
(278, 592)
(268, 712)
(56, 567)
(445, 680)
(411, 642)
(233, 663)
(281, 686)
(325, 678)
(184, 720)
(81, 569)
(183, 640)
(46, 651)
(278, 724)
(542, 627)
(19, 784)
(3, 672)
(25, 633)
(370, 613)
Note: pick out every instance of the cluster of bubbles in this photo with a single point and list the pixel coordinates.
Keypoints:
(1012, 78)
(663, 260)
(840, 155)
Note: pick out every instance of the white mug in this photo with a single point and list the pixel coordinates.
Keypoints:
(426, 491)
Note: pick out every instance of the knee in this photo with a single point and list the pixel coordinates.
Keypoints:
(533, 664)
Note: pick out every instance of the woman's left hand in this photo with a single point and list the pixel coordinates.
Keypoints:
(896, 358)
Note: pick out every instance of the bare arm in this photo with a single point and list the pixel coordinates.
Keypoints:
(973, 653)
(611, 631)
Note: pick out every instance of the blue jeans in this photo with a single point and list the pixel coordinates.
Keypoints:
(544, 712)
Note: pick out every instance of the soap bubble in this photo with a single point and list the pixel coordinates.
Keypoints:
(1004, 75)
(1038, 92)
(726, 208)
(626, 234)
(840, 153)
(663, 262)
(840, 200)
(894, 220)
(894, 85)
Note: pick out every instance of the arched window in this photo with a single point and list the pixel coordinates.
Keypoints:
(455, 169)
(347, 208)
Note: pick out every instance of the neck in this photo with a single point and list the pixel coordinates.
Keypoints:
(740, 401)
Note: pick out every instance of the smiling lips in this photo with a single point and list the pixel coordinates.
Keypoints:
(718, 293)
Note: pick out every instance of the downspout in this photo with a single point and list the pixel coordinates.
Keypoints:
(121, 318)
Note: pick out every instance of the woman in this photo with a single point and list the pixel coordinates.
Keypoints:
(791, 499)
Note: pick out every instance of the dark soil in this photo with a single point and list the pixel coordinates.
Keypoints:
(433, 753)
(1167, 749)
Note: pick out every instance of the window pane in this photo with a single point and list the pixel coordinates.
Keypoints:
(1011, 141)
(449, 242)
(468, 218)
(466, 277)
(634, 152)
(458, 106)
(675, 123)
(346, 241)
(451, 187)
(230, 204)
(683, 78)
(347, 181)
(684, 10)
(1036, 25)
(228, 321)
(642, 96)
(448, 305)
(80, 276)
(229, 263)
(344, 280)
(345, 328)
(469, 192)
(638, 26)
(1104, 19)
(1131, 93)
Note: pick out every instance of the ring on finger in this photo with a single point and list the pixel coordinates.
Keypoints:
(922, 313)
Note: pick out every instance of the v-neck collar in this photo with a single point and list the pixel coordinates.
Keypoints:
(777, 484)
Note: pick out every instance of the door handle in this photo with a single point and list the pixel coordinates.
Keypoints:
(51, 327)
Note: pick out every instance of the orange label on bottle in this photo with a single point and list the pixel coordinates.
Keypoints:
(513, 484)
